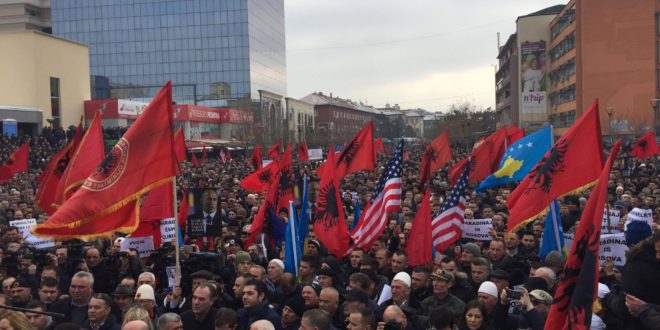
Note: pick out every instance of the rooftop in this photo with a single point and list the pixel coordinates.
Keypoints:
(552, 10)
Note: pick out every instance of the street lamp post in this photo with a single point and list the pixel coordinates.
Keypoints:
(610, 112)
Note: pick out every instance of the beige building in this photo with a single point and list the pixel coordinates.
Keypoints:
(44, 72)
(300, 120)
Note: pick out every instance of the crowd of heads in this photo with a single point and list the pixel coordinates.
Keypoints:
(499, 283)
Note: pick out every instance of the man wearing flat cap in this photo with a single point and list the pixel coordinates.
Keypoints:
(20, 291)
(442, 283)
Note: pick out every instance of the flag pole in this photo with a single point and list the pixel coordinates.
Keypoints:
(177, 278)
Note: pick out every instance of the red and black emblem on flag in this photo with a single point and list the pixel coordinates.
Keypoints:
(327, 212)
(551, 164)
(110, 169)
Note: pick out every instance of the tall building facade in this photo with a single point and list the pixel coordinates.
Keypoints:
(532, 39)
(506, 84)
(216, 53)
(606, 50)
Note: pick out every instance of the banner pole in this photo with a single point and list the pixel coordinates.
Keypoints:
(177, 278)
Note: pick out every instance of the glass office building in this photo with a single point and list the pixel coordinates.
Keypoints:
(217, 53)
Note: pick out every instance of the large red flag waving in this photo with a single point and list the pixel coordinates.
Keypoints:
(143, 159)
(88, 155)
(357, 155)
(578, 287)
(572, 164)
(420, 249)
(329, 221)
(646, 146)
(52, 174)
(436, 156)
(16, 163)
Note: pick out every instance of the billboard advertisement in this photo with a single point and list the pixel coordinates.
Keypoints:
(532, 77)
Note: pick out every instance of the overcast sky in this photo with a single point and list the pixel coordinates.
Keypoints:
(427, 54)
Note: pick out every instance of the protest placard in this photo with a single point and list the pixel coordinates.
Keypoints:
(613, 247)
(168, 230)
(315, 154)
(611, 226)
(477, 229)
(638, 214)
(31, 240)
(144, 245)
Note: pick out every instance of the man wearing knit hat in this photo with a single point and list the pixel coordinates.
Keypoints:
(470, 251)
(401, 287)
(242, 262)
(488, 296)
(146, 299)
(292, 312)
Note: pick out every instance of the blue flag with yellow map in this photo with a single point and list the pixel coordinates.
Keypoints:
(520, 158)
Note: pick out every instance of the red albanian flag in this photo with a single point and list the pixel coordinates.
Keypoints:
(435, 157)
(303, 154)
(578, 286)
(275, 152)
(485, 158)
(420, 249)
(255, 160)
(180, 145)
(357, 155)
(646, 146)
(378, 146)
(261, 178)
(16, 163)
(573, 164)
(107, 202)
(329, 221)
(89, 153)
(52, 174)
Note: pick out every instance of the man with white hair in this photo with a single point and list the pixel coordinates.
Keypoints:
(170, 321)
(136, 325)
(275, 271)
(262, 325)
(548, 275)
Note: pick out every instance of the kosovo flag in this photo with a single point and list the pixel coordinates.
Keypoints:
(519, 158)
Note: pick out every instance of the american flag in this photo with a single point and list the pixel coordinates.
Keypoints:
(387, 198)
(448, 224)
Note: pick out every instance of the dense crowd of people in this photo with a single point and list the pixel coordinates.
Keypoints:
(502, 283)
